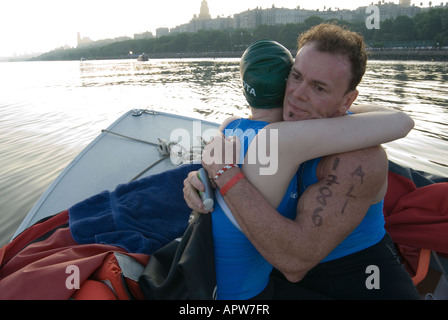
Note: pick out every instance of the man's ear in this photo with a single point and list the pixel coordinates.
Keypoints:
(349, 98)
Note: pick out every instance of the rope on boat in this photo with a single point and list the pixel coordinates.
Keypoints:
(128, 137)
(165, 149)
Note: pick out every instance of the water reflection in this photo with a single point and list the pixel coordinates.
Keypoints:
(419, 89)
(49, 111)
(129, 72)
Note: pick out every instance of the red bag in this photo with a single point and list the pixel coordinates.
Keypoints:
(39, 264)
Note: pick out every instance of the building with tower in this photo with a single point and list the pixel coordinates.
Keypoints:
(83, 41)
(204, 21)
(405, 3)
(252, 18)
(204, 13)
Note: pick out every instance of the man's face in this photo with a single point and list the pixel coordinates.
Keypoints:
(317, 86)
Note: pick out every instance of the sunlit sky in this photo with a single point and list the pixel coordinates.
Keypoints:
(28, 26)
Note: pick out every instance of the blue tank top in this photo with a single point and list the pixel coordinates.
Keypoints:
(368, 233)
(241, 271)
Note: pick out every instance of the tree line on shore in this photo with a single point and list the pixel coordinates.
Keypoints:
(426, 29)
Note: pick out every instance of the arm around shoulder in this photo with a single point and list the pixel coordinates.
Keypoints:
(404, 122)
(309, 139)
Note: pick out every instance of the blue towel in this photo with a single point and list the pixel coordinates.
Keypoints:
(140, 216)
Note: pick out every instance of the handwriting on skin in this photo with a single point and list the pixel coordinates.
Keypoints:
(325, 193)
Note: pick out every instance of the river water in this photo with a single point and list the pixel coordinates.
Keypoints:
(49, 111)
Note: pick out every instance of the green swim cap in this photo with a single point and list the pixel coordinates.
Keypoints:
(265, 66)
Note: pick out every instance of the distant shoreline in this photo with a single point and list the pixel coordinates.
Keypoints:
(420, 55)
(385, 54)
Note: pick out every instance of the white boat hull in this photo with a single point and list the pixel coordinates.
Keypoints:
(127, 150)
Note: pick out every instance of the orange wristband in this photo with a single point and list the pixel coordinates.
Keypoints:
(231, 183)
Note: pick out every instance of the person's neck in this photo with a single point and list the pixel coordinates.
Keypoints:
(268, 115)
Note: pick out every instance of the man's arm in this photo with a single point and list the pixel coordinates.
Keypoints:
(327, 212)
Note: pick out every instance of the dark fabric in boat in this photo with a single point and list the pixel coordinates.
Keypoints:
(140, 216)
(416, 213)
(419, 178)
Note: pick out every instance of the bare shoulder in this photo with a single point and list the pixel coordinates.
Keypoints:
(226, 122)
(366, 168)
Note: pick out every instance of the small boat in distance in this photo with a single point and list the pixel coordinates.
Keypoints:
(143, 57)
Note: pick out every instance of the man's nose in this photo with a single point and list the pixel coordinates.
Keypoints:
(300, 91)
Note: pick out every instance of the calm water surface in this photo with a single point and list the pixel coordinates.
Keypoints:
(49, 111)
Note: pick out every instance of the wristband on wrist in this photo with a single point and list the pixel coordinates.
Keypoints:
(225, 168)
(231, 183)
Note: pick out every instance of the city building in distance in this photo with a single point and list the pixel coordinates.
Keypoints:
(252, 18)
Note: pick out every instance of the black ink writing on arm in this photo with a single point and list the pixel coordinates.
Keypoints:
(317, 219)
(335, 164)
(332, 180)
(325, 193)
(349, 193)
(358, 172)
